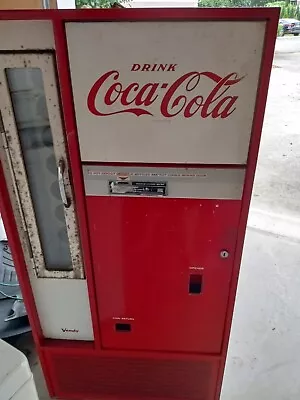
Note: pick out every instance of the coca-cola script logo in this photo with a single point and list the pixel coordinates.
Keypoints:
(182, 96)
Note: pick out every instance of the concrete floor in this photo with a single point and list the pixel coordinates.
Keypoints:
(264, 354)
(276, 188)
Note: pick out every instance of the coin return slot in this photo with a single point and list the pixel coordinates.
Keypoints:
(123, 327)
(195, 284)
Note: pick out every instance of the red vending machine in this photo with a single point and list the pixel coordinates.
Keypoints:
(129, 140)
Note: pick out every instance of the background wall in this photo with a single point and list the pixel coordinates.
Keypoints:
(25, 4)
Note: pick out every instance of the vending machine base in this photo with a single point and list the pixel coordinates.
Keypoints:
(78, 376)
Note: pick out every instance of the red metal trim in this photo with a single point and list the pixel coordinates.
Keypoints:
(75, 164)
(18, 257)
(261, 99)
(75, 396)
(143, 14)
(45, 368)
(68, 345)
(85, 348)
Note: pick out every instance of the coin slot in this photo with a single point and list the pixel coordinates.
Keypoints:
(195, 284)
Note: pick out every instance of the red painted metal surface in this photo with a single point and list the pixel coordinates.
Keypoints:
(145, 252)
(143, 14)
(73, 370)
(93, 377)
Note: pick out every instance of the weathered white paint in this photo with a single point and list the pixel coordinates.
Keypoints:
(26, 35)
(63, 304)
(219, 47)
(45, 63)
(201, 183)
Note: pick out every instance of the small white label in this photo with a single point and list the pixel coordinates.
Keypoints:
(123, 319)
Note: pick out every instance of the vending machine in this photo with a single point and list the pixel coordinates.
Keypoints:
(129, 140)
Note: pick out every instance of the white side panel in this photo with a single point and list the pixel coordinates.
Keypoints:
(26, 35)
(63, 308)
(199, 109)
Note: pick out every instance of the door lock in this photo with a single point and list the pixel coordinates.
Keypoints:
(224, 254)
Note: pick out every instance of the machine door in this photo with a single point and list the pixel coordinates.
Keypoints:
(163, 257)
(35, 161)
(34, 135)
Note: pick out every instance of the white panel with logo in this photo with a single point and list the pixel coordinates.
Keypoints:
(165, 92)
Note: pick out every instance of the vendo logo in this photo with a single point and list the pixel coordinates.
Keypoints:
(181, 96)
(67, 330)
